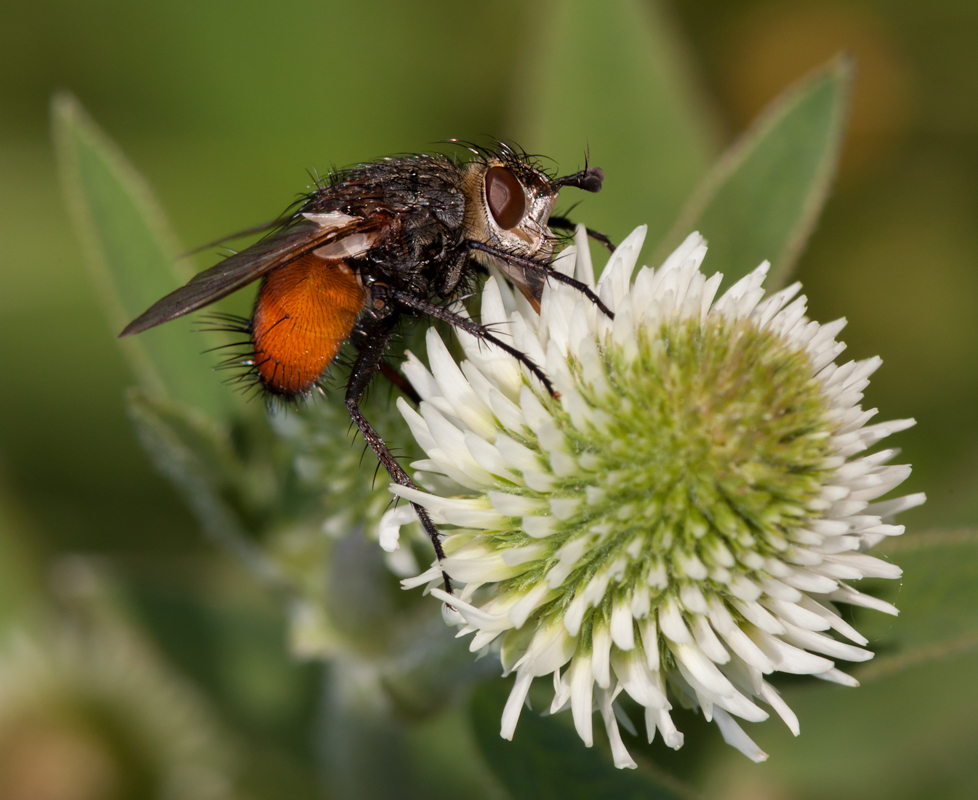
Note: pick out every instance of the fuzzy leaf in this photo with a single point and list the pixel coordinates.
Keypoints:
(132, 258)
(763, 197)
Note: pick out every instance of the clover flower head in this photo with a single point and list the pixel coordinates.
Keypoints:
(681, 519)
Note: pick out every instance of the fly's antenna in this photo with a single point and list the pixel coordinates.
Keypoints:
(589, 180)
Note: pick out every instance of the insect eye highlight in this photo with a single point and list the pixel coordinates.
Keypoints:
(504, 194)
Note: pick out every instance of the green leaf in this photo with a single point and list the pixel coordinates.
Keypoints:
(937, 598)
(908, 730)
(762, 199)
(197, 455)
(547, 760)
(610, 77)
(132, 255)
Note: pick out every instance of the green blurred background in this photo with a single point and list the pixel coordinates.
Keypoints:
(225, 106)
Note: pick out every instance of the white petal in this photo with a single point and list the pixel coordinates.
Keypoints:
(548, 651)
(846, 594)
(618, 752)
(507, 412)
(642, 685)
(581, 681)
(868, 566)
(535, 415)
(601, 655)
(617, 274)
(453, 510)
(770, 694)
(671, 623)
(888, 508)
(796, 615)
(707, 640)
(517, 455)
(789, 659)
(650, 642)
(419, 376)
(703, 670)
(622, 628)
(467, 405)
(515, 556)
(659, 718)
(428, 576)
(494, 309)
(837, 676)
(691, 251)
(390, 526)
(529, 603)
(514, 704)
(419, 428)
(568, 558)
(758, 616)
(835, 621)
(820, 643)
(516, 505)
(584, 271)
(488, 457)
(538, 526)
(734, 735)
(478, 566)
(472, 615)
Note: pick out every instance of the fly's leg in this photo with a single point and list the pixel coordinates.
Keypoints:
(434, 311)
(564, 224)
(364, 368)
(541, 268)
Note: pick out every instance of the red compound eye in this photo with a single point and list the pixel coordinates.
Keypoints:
(504, 193)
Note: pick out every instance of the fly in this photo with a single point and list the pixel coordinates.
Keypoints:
(405, 236)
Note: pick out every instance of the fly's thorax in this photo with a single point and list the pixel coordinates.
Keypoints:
(507, 206)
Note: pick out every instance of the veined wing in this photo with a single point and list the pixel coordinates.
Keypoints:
(337, 234)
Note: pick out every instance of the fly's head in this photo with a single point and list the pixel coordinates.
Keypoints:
(508, 206)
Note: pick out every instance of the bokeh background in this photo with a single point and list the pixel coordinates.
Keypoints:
(224, 107)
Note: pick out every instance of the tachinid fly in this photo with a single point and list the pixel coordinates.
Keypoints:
(403, 236)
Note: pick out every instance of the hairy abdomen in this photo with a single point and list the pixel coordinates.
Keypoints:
(303, 314)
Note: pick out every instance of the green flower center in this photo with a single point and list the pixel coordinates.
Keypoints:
(714, 433)
(709, 453)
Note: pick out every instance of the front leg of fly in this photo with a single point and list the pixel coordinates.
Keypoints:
(543, 269)
(564, 224)
(453, 267)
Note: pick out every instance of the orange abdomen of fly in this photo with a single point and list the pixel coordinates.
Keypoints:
(303, 314)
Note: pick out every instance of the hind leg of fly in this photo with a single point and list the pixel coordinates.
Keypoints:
(368, 362)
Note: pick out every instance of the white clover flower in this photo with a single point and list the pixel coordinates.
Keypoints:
(681, 520)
